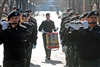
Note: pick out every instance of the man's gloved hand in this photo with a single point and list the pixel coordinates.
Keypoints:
(77, 25)
(64, 48)
(4, 25)
(61, 41)
(85, 24)
(74, 25)
(34, 46)
(43, 31)
(56, 29)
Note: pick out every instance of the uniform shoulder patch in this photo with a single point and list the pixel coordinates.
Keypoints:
(22, 26)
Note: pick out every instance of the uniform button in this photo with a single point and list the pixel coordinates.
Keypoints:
(16, 28)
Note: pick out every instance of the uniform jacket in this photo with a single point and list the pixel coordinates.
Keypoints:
(62, 26)
(47, 26)
(31, 38)
(87, 42)
(14, 41)
(33, 22)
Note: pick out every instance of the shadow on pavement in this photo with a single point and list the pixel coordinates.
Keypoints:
(53, 62)
(33, 65)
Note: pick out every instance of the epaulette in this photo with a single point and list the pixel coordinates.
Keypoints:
(73, 18)
(98, 26)
(64, 17)
(26, 23)
(33, 19)
(66, 21)
(30, 22)
(72, 22)
(22, 26)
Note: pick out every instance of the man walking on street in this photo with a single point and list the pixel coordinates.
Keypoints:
(47, 26)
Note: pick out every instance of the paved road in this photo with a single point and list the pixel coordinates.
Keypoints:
(38, 54)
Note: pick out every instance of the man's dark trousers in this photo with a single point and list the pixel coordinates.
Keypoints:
(47, 51)
(28, 56)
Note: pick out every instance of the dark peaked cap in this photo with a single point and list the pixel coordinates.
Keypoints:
(85, 14)
(71, 13)
(19, 10)
(13, 13)
(28, 10)
(96, 13)
(25, 15)
(69, 9)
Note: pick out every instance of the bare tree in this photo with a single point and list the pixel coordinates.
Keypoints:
(10, 3)
(1, 7)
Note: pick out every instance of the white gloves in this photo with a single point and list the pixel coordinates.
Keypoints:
(85, 24)
(60, 41)
(77, 25)
(64, 48)
(43, 31)
(4, 25)
(34, 46)
(56, 28)
(74, 25)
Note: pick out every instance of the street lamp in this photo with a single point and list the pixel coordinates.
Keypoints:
(34, 4)
(28, 3)
(31, 3)
(58, 5)
(32, 7)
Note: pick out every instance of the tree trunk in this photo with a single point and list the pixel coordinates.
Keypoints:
(10, 4)
(25, 5)
(1, 8)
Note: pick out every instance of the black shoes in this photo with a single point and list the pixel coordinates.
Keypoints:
(48, 58)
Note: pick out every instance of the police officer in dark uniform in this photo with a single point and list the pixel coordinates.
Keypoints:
(14, 38)
(33, 36)
(20, 11)
(70, 48)
(34, 21)
(87, 41)
(62, 22)
(47, 26)
(65, 42)
(31, 39)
